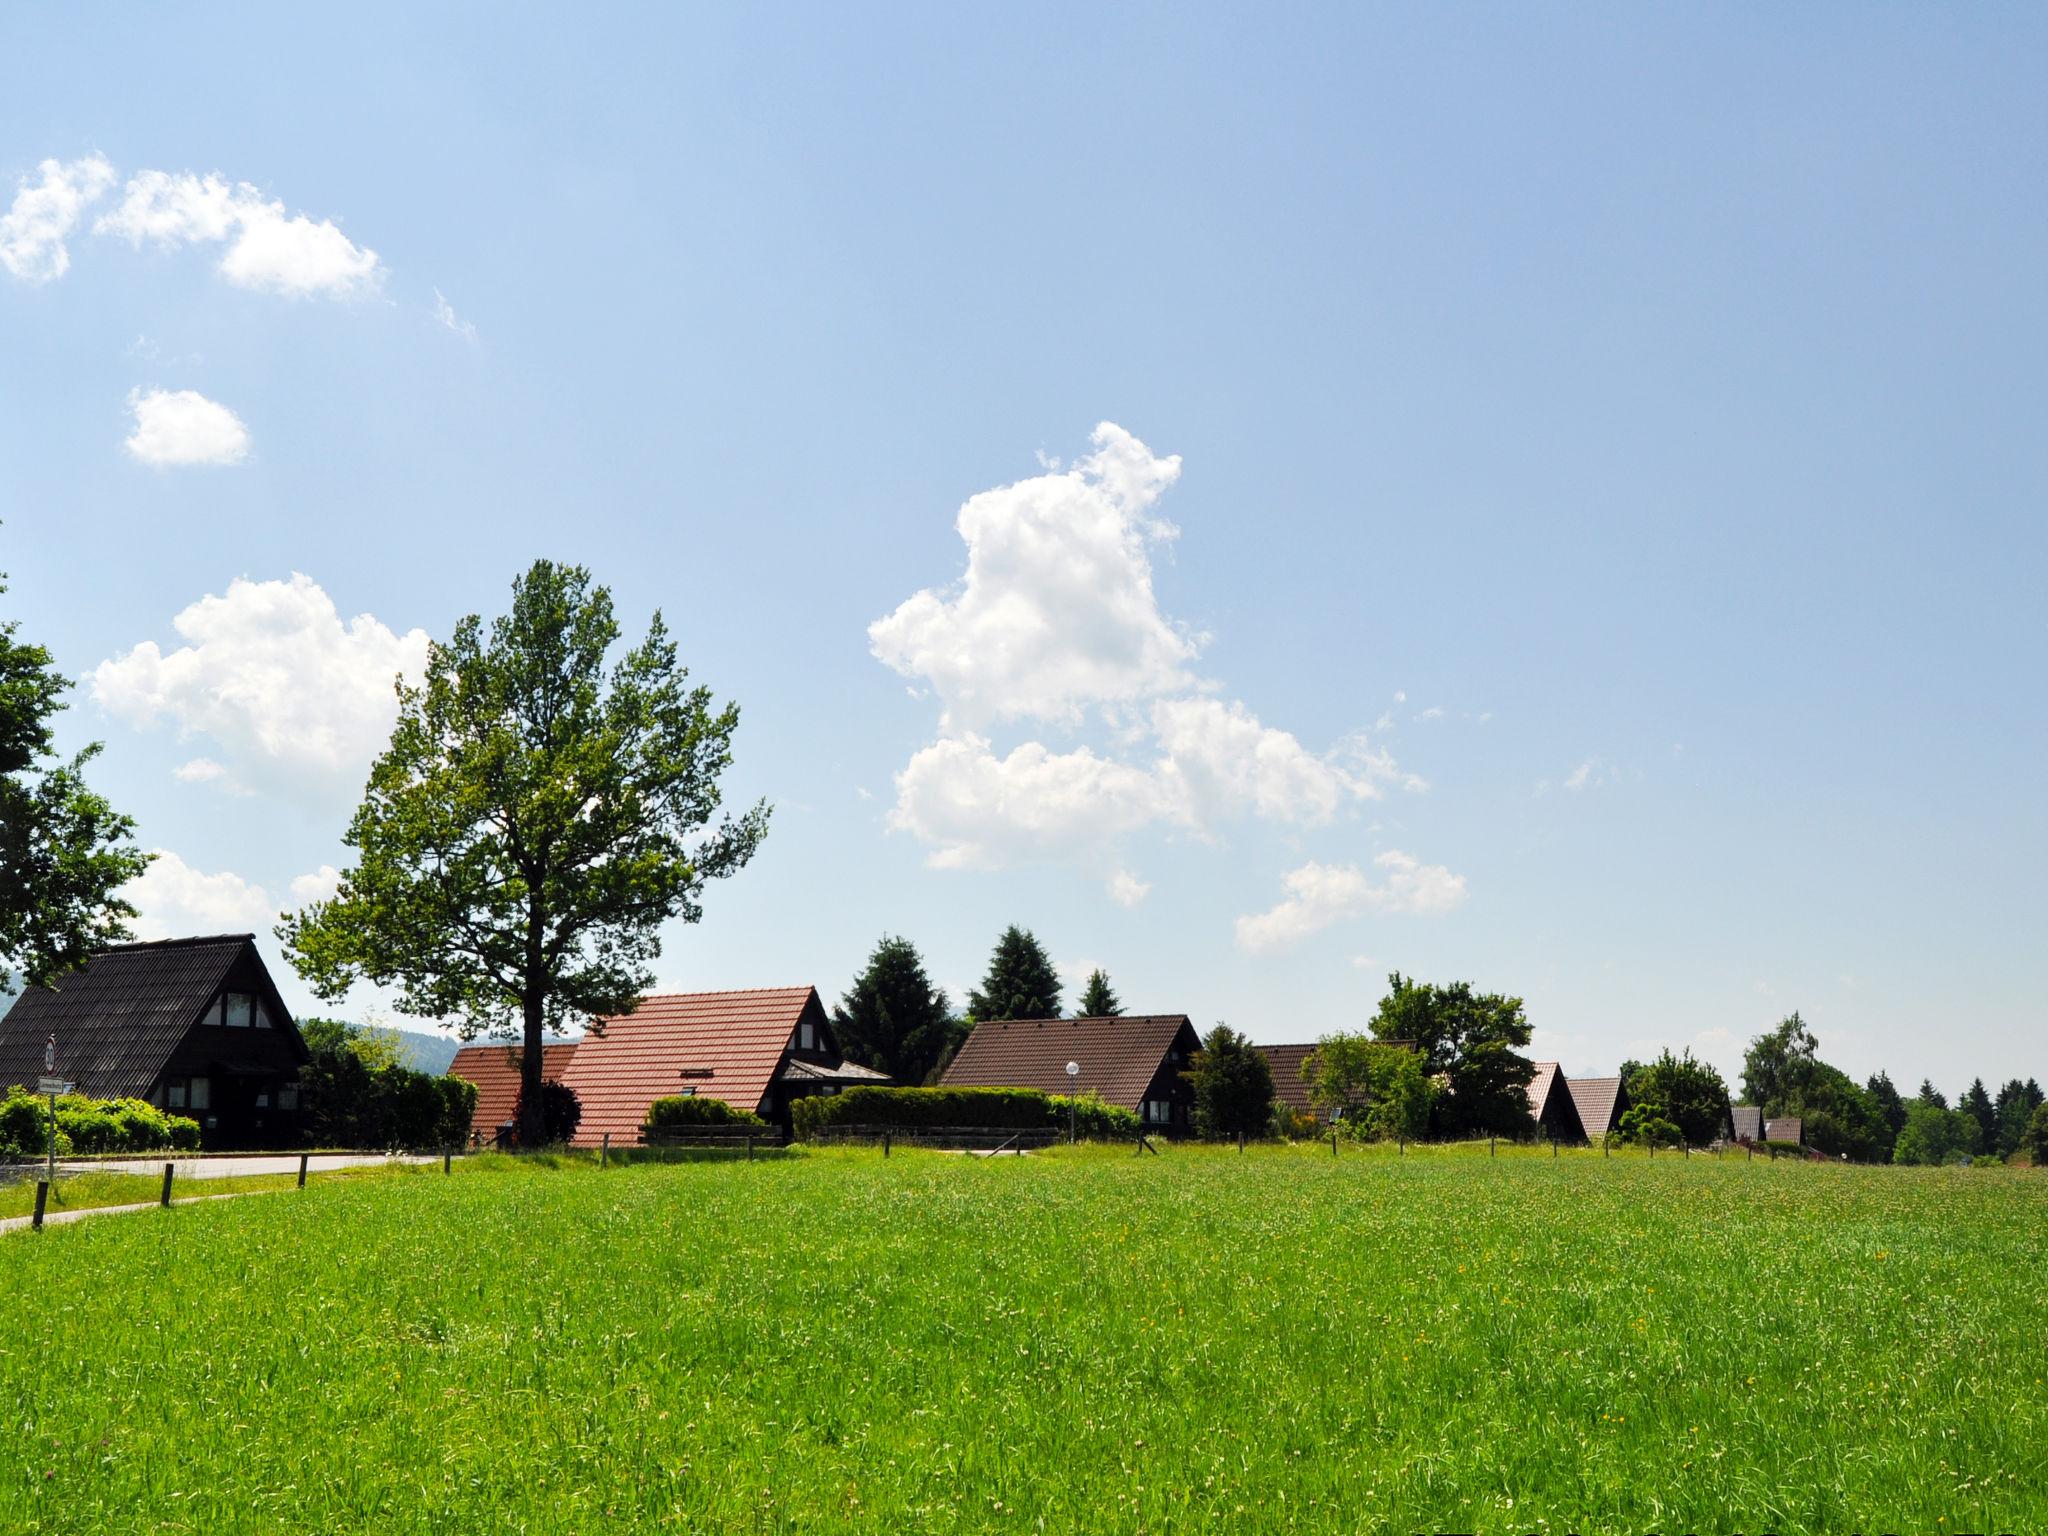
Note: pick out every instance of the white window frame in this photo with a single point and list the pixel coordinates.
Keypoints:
(247, 1002)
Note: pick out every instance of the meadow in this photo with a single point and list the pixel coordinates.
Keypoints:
(1081, 1341)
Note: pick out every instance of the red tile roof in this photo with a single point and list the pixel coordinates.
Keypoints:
(1600, 1102)
(1547, 1077)
(1118, 1057)
(1288, 1088)
(730, 1043)
(494, 1068)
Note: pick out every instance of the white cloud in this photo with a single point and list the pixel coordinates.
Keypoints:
(1126, 889)
(1056, 612)
(200, 770)
(177, 427)
(1364, 963)
(43, 214)
(295, 696)
(445, 313)
(173, 900)
(1056, 621)
(266, 248)
(1593, 773)
(1321, 894)
(317, 886)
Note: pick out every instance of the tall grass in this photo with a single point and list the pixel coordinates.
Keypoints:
(1275, 1341)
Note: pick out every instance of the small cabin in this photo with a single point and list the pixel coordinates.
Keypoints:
(195, 1026)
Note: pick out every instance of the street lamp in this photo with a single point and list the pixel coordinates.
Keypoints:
(1073, 1109)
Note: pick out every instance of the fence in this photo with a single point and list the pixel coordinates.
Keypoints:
(957, 1138)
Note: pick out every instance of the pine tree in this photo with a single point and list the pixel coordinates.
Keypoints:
(1929, 1094)
(1976, 1103)
(2016, 1104)
(1021, 982)
(1098, 1001)
(893, 1019)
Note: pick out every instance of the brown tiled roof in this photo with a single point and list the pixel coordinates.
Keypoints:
(731, 1043)
(1288, 1088)
(1547, 1078)
(1784, 1128)
(1599, 1101)
(1118, 1057)
(1748, 1121)
(494, 1068)
(846, 1074)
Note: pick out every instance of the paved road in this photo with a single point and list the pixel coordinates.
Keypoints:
(239, 1167)
(59, 1218)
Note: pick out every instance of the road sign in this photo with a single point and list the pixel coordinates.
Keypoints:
(53, 1085)
(50, 1054)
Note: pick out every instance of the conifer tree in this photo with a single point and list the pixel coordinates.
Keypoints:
(1098, 1000)
(1021, 982)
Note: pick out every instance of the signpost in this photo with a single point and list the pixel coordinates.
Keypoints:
(1073, 1071)
(52, 1085)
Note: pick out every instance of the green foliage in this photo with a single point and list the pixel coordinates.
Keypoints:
(1474, 1041)
(894, 1019)
(683, 1110)
(1379, 1092)
(1929, 1094)
(557, 1112)
(534, 823)
(994, 1108)
(1021, 982)
(1891, 1108)
(65, 852)
(2034, 1140)
(1976, 1103)
(357, 1094)
(2016, 1104)
(1098, 998)
(87, 1125)
(1091, 1117)
(1933, 1135)
(1233, 1084)
(1644, 1125)
(1782, 1073)
(1684, 1092)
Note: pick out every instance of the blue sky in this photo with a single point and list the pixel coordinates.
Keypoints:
(1546, 497)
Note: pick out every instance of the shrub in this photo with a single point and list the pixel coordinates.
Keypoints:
(1233, 1084)
(1291, 1124)
(87, 1125)
(560, 1113)
(1645, 1125)
(988, 1108)
(681, 1111)
(25, 1126)
(458, 1109)
(1092, 1118)
(184, 1133)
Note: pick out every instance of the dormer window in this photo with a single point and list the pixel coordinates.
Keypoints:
(807, 1036)
(237, 1010)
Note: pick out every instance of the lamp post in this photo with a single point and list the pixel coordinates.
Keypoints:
(1073, 1110)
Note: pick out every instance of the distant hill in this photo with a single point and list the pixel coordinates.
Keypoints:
(430, 1053)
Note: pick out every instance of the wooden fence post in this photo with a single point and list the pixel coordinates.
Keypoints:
(167, 1187)
(302, 1170)
(1240, 1142)
(1489, 1144)
(1605, 1150)
(604, 1150)
(750, 1146)
(447, 1160)
(1333, 1143)
(42, 1197)
(885, 1143)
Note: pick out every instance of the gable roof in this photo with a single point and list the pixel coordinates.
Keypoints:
(1785, 1128)
(494, 1068)
(1541, 1086)
(731, 1043)
(1118, 1057)
(1747, 1121)
(1600, 1102)
(119, 1017)
(1288, 1088)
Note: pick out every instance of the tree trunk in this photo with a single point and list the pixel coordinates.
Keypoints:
(532, 1123)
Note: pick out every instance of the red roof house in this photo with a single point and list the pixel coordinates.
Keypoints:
(1135, 1062)
(1288, 1087)
(1552, 1104)
(494, 1068)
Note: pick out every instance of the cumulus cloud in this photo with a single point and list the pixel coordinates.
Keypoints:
(1321, 894)
(1057, 622)
(175, 427)
(266, 247)
(173, 900)
(317, 886)
(295, 696)
(35, 227)
(1126, 889)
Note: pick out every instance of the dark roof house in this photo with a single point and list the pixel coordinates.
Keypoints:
(1600, 1103)
(1135, 1062)
(195, 1026)
(1748, 1121)
(1552, 1106)
(1288, 1086)
(756, 1050)
(1785, 1128)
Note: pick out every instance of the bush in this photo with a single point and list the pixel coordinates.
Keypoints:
(1645, 1125)
(986, 1108)
(25, 1126)
(86, 1125)
(682, 1111)
(560, 1113)
(458, 1109)
(1092, 1118)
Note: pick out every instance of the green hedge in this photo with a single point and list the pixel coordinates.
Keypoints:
(1001, 1109)
(87, 1125)
(683, 1110)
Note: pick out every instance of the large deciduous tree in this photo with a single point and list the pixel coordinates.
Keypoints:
(1473, 1040)
(65, 852)
(1684, 1091)
(1374, 1090)
(894, 1019)
(1021, 982)
(535, 821)
(1782, 1073)
(1233, 1084)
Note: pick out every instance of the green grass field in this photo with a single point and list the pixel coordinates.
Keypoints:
(1083, 1341)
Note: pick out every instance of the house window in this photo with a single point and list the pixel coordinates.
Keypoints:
(263, 1098)
(174, 1095)
(262, 1016)
(201, 1095)
(807, 1036)
(1157, 1111)
(237, 1010)
(288, 1097)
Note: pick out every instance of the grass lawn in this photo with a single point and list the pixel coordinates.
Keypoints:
(93, 1191)
(1082, 1341)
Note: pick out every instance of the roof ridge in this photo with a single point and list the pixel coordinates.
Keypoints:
(648, 997)
(189, 941)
